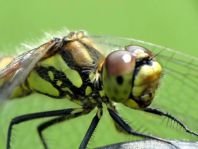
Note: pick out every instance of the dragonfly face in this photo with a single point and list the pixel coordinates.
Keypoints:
(74, 68)
(131, 76)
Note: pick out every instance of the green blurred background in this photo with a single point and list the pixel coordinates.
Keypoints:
(172, 23)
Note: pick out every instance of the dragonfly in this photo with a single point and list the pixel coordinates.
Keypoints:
(98, 71)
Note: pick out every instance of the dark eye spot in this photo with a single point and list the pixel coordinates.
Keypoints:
(119, 80)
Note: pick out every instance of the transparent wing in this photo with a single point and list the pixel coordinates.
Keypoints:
(17, 71)
(178, 90)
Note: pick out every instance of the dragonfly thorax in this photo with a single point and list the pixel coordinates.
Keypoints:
(131, 76)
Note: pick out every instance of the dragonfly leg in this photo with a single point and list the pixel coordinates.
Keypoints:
(27, 117)
(43, 126)
(161, 113)
(91, 129)
(126, 127)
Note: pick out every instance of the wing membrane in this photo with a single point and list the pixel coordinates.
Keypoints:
(17, 71)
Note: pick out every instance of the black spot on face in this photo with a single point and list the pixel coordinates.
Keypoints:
(119, 80)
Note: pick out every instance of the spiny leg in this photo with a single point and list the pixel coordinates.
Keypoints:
(73, 114)
(161, 113)
(32, 116)
(91, 128)
(129, 130)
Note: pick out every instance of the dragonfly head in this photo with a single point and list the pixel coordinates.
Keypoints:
(131, 76)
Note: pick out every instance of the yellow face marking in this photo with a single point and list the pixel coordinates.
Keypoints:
(137, 90)
(146, 82)
(147, 79)
(131, 104)
(148, 73)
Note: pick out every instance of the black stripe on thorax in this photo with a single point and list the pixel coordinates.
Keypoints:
(84, 72)
(95, 54)
(58, 75)
(77, 93)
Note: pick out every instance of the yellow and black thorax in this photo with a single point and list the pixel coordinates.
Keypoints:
(68, 69)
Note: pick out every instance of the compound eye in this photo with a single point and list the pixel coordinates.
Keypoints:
(119, 62)
(138, 51)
